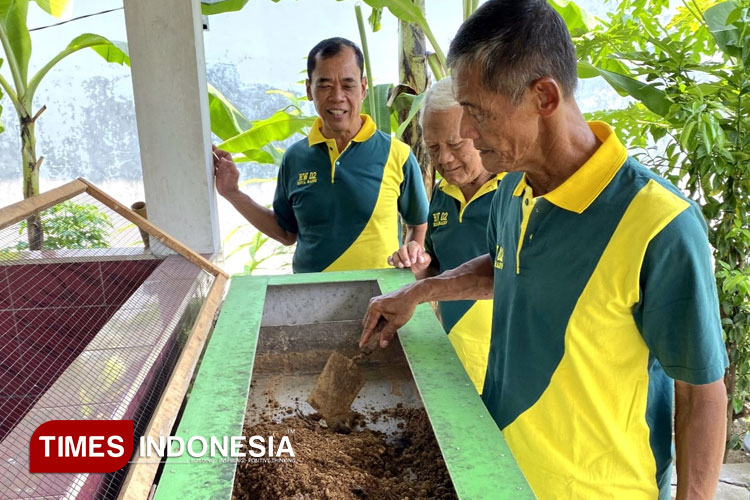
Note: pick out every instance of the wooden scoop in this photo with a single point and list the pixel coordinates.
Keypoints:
(340, 382)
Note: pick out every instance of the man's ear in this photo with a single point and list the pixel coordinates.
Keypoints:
(308, 87)
(364, 87)
(548, 95)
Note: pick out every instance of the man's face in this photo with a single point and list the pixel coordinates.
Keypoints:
(504, 133)
(454, 156)
(338, 91)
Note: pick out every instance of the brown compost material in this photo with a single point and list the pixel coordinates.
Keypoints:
(349, 462)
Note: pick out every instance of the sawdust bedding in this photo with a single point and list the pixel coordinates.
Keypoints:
(349, 462)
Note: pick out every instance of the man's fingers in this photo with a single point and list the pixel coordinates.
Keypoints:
(364, 338)
(386, 334)
(395, 260)
(414, 252)
(403, 255)
(221, 164)
(423, 261)
(369, 324)
(220, 154)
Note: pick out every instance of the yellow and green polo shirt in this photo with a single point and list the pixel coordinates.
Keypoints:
(603, 294)
(345, 206)
(457, 233)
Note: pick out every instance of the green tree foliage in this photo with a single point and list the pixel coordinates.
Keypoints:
(20, 89)
(690, 120)
(388, 104)
(253, 141)
(72, 225)
(260, 249)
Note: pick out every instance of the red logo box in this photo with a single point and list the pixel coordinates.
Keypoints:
(81, 446)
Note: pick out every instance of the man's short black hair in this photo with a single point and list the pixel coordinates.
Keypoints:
(514, 42)
(331, 47)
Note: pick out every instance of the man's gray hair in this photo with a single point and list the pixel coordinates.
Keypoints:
(439, 97)
(511, 43)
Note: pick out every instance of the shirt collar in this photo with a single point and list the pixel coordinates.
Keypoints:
(586, 184)
(367, 131)
(455, 192)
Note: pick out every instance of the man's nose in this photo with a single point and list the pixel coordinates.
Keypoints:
(445, 155)
(337, 93)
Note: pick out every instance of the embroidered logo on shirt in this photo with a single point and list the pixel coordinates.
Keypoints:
(499, 257)
(307, 178)
(439, 219)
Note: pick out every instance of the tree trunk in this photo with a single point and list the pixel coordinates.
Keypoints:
(413, 72)
(31, 180)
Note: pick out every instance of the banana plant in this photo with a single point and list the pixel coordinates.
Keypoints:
(406, 10)
(385, 102)
(16, 44)
(253, 141)
(579, 22)
(210, 7)
(576, 18)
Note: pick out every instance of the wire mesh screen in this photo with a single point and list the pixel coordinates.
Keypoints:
(92, 321)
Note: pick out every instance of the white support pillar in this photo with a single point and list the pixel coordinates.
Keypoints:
(165, 40)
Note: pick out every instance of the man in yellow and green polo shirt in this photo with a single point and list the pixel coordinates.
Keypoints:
(340, 191)
(456, 226)
(605, 303)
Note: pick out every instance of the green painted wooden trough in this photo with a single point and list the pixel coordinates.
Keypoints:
(277, 331)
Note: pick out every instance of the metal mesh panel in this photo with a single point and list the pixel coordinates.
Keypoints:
(91, 325)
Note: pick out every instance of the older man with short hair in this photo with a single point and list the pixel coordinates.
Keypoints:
(456, 225)
(341, 190)
(605, 303)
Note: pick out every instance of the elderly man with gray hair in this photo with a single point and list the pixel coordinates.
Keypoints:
(605, 308)
(456, 225)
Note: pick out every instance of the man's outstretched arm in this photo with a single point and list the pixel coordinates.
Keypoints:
(472, 280)
(227, 175)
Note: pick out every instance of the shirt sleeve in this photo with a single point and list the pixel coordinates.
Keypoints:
(412, 202)
(678, 314)
(282, 205)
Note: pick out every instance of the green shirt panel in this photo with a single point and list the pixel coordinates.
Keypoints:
(454, 238)
(328, 214)
(678, 318)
